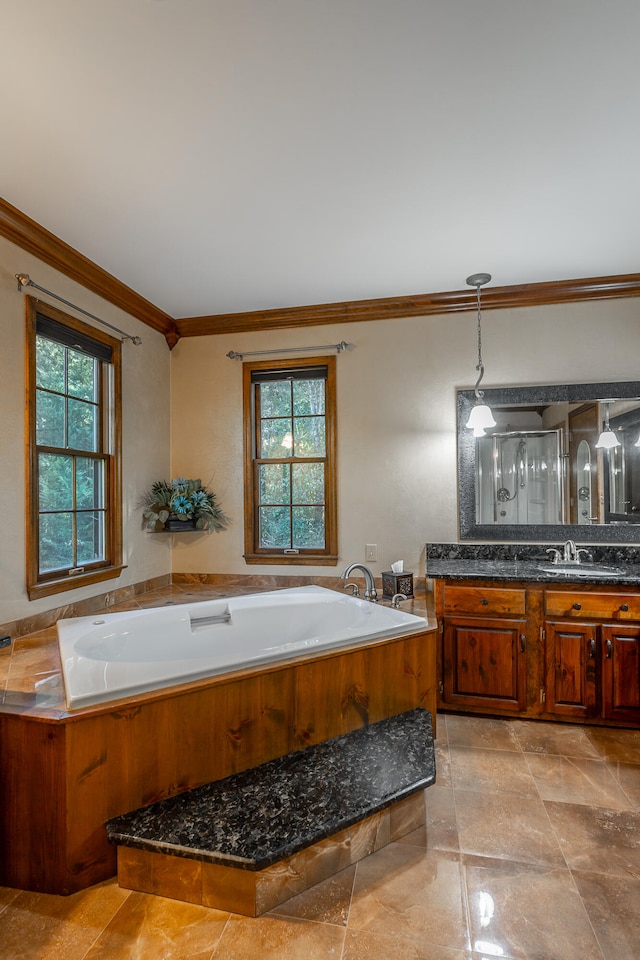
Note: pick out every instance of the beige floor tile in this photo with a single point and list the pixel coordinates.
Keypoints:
(628, 776)
(467, 731)
(623, 745)
(576, 780)
(613, 905)
(596, 838)
(7, 896)
(326, 902)
(148, 928)
(520, 910)
(279, 938)
(443, 765)
(506, 827)
(492, 771)
(38, 926)
(564, 739)
(377, 946)
(441, 830)
(412, 894)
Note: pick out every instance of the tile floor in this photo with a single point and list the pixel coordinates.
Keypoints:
(531, 851)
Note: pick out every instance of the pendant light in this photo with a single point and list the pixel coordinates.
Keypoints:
(480, 418)
(607, 439)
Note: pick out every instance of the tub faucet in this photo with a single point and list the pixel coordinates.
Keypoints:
(370, 585)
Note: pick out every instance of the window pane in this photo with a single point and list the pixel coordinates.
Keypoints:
(82, 375)
(49, 420)
(275, 483)
(50, 364)
(308, 527)
(90, 537)
(89, 483)
(82, 425)
(308, 397)
(275, 399)
(274, 527)
(55, 482)
(310, 437)
(55, 541)
(274, 441)
(308, 482)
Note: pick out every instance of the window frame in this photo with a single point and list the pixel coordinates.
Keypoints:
(110, 405)
(254, 553)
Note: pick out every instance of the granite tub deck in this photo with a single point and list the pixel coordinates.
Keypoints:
(253, 840)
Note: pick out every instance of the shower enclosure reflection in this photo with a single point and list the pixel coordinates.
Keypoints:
(520, 477)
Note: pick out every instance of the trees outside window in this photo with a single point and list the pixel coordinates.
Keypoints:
(290, 482)
(73, 465)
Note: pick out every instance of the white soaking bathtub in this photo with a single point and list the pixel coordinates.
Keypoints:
(106, 657)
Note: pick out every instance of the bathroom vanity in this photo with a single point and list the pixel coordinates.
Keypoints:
(518, 640)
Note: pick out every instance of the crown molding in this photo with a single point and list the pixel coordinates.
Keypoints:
(30, 236)
(421, 305)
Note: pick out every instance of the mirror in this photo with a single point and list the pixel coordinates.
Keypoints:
(537, 475)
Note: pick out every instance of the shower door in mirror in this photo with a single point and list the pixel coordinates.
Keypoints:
(520, 477)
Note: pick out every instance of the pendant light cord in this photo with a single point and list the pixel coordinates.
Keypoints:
(477, 280)
(480, 366)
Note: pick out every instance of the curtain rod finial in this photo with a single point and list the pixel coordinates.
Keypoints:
(24, 280)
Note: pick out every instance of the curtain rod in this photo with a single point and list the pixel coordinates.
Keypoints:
(24, 280)
(338, 347)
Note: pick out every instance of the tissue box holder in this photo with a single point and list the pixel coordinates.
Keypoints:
(396, 583)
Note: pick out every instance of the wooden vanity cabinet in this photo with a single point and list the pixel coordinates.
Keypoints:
(621, 672)
(532, 650)
(484, 648)
(571, 686)
(593, 654)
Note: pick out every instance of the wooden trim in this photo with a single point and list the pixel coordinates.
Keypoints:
(421, 305)
(30, 236)
(252, 555)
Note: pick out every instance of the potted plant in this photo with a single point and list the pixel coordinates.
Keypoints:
(181, 505)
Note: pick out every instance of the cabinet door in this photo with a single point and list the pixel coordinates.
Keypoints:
(485, 663)
(621, 672)
(572, 669)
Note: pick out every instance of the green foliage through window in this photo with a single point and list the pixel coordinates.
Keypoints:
(70, 462)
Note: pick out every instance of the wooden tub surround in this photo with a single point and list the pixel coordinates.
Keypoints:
(65, 774)
(253, 840)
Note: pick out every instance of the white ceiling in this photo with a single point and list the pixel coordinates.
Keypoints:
(230, 155)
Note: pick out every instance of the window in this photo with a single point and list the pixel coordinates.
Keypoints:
(290, 472)
(73, 464)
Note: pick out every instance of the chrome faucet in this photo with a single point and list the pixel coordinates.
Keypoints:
(396, 599)
(570, 553)
(370, 586)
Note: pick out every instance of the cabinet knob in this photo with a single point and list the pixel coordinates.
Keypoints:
(484, 601)
(577, 606)
(624, 607)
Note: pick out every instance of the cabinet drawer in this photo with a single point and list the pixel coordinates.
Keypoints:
(484, 601)
(604, 606)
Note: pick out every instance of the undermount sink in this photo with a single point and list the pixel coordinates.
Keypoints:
(580, 569)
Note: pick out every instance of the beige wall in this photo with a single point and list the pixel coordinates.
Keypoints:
(146, 437)
(396, 416)
(396, 422)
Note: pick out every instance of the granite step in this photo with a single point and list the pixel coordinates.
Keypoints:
(260, 836)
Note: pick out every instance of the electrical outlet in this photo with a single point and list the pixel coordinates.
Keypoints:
(371, 552)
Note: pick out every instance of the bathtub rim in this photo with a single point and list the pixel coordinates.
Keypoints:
(420, 624)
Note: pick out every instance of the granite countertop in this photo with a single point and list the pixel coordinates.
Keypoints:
(257, 817)
(527, 570)
(523, 562)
